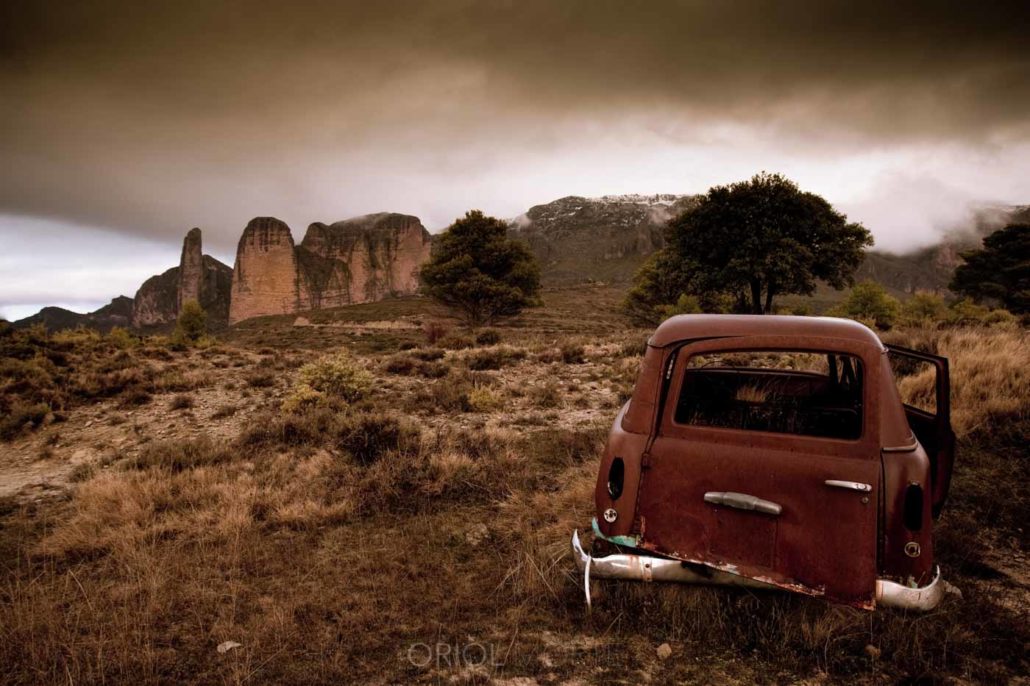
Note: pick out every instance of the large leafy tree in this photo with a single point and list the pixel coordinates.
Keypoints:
(478, 271)
(1000, 271)
(746, 243)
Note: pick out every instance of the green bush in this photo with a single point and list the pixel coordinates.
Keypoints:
(923, 308)
(337, 376)
(121, 338)
(869, 302)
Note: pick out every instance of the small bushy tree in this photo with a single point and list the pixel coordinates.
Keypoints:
(192, 323)
(869, 302)
(479, 272)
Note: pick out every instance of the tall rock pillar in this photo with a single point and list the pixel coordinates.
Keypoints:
(264, 280)
(191, 268)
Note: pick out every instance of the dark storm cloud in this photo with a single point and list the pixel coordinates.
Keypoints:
(150, 117)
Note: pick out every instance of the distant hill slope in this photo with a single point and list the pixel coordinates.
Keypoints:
(118, 312)
(603, 239)
(606, 239)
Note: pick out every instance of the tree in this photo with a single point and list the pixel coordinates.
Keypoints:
(478, 271)
(192, 323)
(869, 302)
(1000, 271)
(750, 242)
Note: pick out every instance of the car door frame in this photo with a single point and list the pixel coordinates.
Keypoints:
(825, 459)
(941, 453)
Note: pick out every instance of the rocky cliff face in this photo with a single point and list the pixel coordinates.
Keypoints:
(601, 239)
(264, 279)
(360, 260)
(353, 261)
(157, 300)
(198, 277)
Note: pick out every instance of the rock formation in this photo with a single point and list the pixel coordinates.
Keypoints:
(264, 278)
(191, 268)
(353, 261)
(360, 260)
(198, 277)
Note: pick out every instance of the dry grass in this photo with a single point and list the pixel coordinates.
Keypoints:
(990, 377)
(328, 538)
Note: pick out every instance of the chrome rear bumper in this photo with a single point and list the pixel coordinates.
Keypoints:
(648, 568)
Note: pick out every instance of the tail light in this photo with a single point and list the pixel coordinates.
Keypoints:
(913, 511)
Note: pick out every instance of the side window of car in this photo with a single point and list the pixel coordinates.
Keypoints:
(802, 393)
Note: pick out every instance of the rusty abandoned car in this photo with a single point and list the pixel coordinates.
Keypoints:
(775, 452)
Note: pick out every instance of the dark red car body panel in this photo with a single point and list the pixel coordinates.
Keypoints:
(825, 541)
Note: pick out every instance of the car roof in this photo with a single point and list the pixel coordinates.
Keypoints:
(693, 326)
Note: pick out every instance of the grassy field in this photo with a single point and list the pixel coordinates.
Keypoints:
(180, 500)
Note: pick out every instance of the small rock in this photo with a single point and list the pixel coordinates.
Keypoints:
(872, 652)
(664, 651)
(226, 646)
(951, 589)
(89, 423)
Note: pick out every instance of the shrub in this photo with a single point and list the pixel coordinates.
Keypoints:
(572, 353)
(483, 399)
(450, 393)
(488, 337)
(456, 342)
(869, 302)
(546, 395)
(337, 376)
(495, 358)
(22, 416)
(178, 456)
(434, 331)
(428, 354)
(401, 364)
(922, 308)
(121, 338)
(181, 402)
(368, 437)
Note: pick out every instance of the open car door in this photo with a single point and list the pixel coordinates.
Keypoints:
(931, 422)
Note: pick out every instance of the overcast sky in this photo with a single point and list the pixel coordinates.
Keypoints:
(123, 124)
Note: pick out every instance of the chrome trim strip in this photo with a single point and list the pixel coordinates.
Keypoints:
(850, 485)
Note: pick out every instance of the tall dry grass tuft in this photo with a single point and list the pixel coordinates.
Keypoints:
(990, 375)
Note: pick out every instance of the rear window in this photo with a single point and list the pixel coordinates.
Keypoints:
(802, 393)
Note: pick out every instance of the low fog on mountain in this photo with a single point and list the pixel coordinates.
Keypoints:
(123, 125)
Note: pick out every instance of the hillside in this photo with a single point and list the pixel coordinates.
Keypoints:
(582, 240)
(118, 312)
